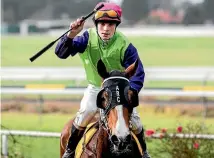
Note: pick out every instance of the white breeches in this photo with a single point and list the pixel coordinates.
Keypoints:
(88, 109)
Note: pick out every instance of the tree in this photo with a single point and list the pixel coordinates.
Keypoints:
(135, 10)
(209, 11)
(194, 15)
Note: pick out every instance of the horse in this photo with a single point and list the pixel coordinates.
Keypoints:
(110, 134)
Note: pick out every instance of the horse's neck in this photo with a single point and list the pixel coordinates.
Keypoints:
(102, 141)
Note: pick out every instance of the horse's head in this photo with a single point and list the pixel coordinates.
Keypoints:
(117, 101)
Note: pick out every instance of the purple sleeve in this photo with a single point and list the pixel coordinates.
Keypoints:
(130, 57)
(67, 46)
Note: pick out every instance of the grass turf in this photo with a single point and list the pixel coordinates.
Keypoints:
(49, 147)
(153, 51)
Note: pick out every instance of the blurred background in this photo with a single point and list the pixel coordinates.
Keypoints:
(174, 39)
(42, 15)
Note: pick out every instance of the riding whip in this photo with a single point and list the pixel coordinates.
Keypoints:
(53, 42)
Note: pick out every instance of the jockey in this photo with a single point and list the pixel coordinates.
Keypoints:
(105, 42)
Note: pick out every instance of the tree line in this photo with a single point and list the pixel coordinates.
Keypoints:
(133, 10)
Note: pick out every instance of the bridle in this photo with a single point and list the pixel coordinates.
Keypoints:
(117, 88)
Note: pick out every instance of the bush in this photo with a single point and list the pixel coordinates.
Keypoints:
(170, 145)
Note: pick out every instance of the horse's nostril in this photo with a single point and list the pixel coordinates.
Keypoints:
(121, 146)
(128, 138)
(114, 139)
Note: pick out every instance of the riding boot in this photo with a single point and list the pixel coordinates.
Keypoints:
(74, 138)
(142, 142)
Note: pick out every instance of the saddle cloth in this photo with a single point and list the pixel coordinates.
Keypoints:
(89, 133)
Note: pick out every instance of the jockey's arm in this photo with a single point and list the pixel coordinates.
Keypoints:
(131, 55)
(71, 46)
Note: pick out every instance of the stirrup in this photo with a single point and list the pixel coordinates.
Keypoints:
(73, 140)
(146, 155)
(68, 154)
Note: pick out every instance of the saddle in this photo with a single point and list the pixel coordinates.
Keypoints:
(89, 133)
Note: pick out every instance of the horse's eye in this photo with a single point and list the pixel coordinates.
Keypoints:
(105, 98)
(105, 95)
(102, 99)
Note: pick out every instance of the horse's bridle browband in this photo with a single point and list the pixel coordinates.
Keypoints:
(115, 77)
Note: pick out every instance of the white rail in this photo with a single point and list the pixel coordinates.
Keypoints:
(161, 31)
(80, 91)
(6, 133)
(30, 133)
(152, 73)
(167, 31)
(56, 134)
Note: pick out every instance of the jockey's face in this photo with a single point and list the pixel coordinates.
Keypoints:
(106, 29)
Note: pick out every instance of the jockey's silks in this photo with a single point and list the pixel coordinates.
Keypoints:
(111, 52)
(67, 47)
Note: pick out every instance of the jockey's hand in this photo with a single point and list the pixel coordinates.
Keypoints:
(133, 97)
(77, 27)
(134, 91)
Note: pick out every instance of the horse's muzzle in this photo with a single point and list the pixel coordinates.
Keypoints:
(121, 143)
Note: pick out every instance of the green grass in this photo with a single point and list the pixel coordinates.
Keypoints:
(55, 122)
(49, 147)
(153, 51)
(31, 147)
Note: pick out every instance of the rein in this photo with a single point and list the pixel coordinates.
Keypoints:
(104, 122)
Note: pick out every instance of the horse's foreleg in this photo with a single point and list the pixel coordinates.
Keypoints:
(62, 146)
(65, 134)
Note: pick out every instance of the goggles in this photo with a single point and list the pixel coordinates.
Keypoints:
(106, 13)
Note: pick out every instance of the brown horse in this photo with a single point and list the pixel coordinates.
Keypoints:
(112, 136)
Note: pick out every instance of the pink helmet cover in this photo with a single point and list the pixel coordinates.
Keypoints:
(111, 6)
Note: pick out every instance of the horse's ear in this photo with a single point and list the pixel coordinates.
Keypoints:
(101, 68)
(130, 71)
